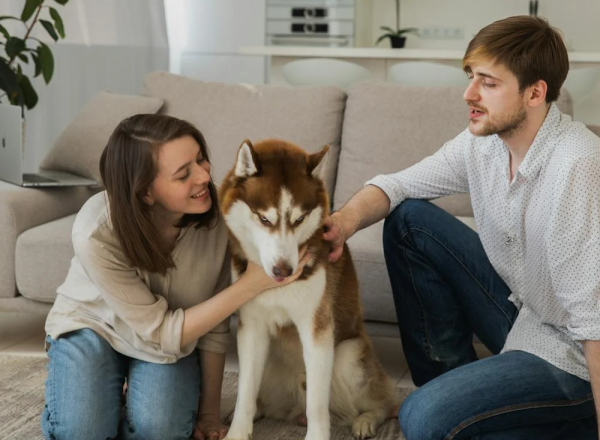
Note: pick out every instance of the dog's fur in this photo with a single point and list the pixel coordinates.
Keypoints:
(302, 347)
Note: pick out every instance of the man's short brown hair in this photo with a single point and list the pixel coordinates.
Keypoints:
(527, 46)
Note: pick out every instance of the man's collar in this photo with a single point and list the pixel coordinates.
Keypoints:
(540, 149)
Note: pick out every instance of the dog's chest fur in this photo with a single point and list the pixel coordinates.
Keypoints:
(277, 307)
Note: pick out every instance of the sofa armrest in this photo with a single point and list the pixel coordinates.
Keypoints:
(25, 208)
(594, 129)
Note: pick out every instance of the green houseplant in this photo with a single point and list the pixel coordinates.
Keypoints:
(397, 36)
(16, 52)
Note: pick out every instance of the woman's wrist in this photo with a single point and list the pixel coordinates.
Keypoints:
(247, 288)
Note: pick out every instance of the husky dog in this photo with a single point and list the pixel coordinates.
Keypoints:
(302, 347)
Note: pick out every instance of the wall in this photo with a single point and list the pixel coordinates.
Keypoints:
(109, 45)
(578, 21)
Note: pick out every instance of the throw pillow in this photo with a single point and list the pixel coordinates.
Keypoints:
(79, 147)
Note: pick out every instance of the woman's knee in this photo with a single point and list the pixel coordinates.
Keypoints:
(80, 422)
(171, 425)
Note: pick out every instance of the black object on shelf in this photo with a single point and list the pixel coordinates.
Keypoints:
(533, 8)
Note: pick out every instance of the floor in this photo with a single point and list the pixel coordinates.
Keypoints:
(23, 334)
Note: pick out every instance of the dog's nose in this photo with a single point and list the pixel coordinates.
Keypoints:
(282, 270)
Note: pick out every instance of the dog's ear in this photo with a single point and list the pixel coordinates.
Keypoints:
(316, 162)
(247, 160)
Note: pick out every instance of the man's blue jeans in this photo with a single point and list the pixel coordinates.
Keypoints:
(84, 389)
(445, 290)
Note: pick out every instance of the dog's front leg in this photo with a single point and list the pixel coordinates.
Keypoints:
(253, 347)
(317, 345)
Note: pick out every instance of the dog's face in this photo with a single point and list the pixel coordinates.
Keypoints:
(274, 201)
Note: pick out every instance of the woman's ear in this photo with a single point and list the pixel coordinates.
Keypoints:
(148, 199)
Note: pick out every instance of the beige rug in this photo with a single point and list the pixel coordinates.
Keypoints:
(22, 399)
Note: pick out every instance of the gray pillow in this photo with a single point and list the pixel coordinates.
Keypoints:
(77, 150)
(226, 114)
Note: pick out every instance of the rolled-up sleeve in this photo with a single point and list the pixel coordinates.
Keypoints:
(573, 243)
(219, 338)
(440, 174)
(146, 314)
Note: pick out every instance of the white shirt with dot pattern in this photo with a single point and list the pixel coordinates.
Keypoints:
(541, 231)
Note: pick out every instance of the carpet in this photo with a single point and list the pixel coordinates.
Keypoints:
(22, 399)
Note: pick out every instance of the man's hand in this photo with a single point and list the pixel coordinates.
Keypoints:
(335, 233)
(209, 427)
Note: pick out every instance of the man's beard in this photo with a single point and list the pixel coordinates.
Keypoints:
(507, 126)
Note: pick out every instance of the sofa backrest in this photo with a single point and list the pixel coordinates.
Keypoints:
(389, 127)
(226, 114)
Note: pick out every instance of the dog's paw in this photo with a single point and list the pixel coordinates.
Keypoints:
(239, 431)
(364, 426)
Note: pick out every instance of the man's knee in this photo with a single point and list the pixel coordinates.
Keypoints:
(398, 222)
(420, 417)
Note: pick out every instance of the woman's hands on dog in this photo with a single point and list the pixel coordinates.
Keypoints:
(209, 427)
(256, 277)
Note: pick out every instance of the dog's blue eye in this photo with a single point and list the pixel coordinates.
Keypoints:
(299, 220)
(264, 220)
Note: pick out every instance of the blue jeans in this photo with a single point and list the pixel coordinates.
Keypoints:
(84, 389)
(445, 291)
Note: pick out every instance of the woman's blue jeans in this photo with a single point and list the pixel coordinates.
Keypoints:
(445, 291)
(84, 390)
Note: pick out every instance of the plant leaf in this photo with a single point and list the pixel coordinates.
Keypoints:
(9, 83)
(388, 29)
(8, 17)
(38, 66)
(48, 26)
(23, 58)
(29, 9)
(30, 97)
(14, 46)
(61, 2)
(384, 36)
(58, 23)
(4, 32)
(46, 60)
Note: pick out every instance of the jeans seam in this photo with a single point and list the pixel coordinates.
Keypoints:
(427, 344)
(430, 234)
(515, 408)
(51, 402)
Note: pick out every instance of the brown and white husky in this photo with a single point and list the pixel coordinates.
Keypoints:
(302, 347)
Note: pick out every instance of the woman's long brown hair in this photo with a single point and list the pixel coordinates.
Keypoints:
(128, 168)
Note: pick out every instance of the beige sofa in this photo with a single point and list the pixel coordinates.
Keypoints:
(373, 128)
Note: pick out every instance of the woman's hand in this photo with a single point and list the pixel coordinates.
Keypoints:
(259, 281)
(209, 427)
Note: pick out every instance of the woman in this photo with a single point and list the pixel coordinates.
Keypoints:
(147, 297)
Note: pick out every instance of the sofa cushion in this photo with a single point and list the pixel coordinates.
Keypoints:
(226, 114)
(425, 118)
(43, 258)
(77, 150)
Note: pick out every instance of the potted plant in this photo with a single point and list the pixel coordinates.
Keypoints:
(17, 51)
(397, 37)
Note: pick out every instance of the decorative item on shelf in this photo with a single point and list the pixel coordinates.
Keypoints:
(533, 8)
(398, 36)
(15, 85)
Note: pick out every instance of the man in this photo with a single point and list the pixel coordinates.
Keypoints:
(528, 285)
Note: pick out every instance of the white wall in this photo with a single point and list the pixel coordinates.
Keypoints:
(579, 20)
(109, 45)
